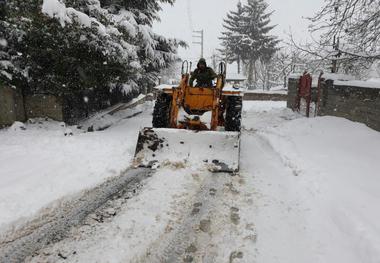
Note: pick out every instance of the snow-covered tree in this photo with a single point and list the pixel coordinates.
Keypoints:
(348, 36)
(257, 42)
(232, 36)
(247, 36)
(66, 46)
(353, 24)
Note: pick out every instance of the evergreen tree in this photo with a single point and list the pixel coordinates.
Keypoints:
(61, 47)
(233, 36)
(248, 35)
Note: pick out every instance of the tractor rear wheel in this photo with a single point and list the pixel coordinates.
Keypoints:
(234, 105)
(161, 112)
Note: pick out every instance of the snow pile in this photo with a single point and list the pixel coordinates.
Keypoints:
(316, 188)
(17, 126)
(217, 150)
(40, 164)
(339, 175)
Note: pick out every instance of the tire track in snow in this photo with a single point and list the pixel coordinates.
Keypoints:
(53, 228)
(196, 237)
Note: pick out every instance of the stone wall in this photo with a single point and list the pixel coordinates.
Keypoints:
(361, 104)
(70, 109)
(343, 99)
(41, 106)
(292, 92)
(265, 96)
(11, 106)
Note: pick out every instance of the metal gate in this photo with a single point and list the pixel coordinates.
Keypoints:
(304, 92)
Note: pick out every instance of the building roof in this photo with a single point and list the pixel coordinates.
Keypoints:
(235, 77)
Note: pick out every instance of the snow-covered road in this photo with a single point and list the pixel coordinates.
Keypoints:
(39, 165)
(307, 191)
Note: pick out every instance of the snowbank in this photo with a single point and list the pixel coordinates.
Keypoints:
(39, 164)
(323, 205)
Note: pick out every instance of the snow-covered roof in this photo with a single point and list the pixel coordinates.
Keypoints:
(229, 87)
(235, 76)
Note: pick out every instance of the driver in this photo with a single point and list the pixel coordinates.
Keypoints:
(203, 74)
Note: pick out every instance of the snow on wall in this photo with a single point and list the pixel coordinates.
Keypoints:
(349, 81)
(358, 83)
(343, 97)
(335, 76)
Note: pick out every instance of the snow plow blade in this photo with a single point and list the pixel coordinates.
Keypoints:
(218, 151)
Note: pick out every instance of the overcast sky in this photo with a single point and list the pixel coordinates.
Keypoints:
(186, 15)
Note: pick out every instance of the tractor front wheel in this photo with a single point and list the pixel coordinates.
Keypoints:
(234, 105)
(161, 112)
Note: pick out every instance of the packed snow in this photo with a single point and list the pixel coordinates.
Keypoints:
(307, 191)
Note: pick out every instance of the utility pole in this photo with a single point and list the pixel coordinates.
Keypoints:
(214, 59)
(200, 36)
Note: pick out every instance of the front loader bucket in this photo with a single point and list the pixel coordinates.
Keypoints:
(219, 151)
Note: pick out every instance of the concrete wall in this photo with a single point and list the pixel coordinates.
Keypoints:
(11, 106)
(354, 103)
(44, 106)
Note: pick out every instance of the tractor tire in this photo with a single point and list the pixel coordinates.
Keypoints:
(161, 112)
(234, 105)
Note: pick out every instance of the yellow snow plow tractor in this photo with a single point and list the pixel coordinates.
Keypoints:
(195, 125)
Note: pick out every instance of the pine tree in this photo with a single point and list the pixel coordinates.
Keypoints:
(248, 36)
(232, 37)
(84, 45)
